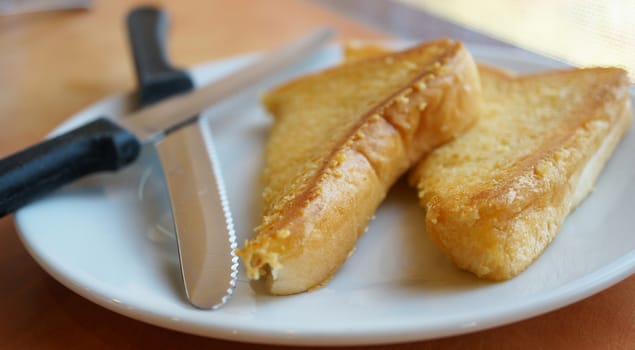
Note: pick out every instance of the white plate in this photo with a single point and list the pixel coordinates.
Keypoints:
(103, 238)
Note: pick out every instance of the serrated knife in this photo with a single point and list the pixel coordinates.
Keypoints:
(110, 143)
(202, 219)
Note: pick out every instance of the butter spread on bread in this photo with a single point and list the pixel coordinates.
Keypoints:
(340, 139)
(496, 197)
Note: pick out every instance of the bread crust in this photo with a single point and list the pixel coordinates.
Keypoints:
(498, 225)
(303, 240)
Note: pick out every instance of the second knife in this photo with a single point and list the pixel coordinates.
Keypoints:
(202, 219)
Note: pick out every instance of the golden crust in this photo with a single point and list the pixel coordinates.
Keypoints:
(497, 196)
(355, 50)
(324, 185)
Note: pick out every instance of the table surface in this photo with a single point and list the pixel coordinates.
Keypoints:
(54, 64)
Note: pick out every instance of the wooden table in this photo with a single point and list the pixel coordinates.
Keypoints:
(54, 64)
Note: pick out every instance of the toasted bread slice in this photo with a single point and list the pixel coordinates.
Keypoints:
(340, 139)
(497, 196)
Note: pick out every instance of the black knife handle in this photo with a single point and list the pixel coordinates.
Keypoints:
(97, 146)
(147, 29)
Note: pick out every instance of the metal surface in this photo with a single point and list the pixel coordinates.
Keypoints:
(168, 115)
(202, 219)
(203, 222)
(11, 7)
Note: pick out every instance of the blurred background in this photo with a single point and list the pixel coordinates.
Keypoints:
(582, 32)
(579, 32)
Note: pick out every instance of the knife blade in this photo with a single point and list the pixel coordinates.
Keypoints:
(110, 143)
(203, 224)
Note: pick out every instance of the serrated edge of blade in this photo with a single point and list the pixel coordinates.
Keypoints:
(206, 131)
